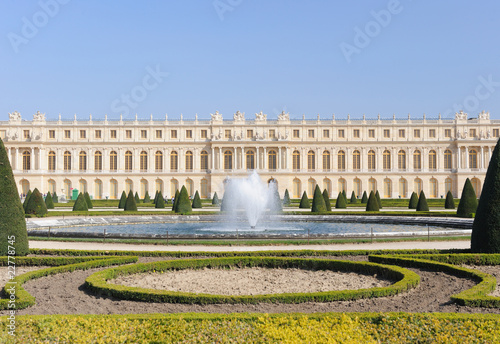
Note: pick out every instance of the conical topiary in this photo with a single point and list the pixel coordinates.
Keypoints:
(379, 201)
(123, 199)
(215, 199)
(353, 198)
(364, 199)
(176, 199)
(36, 204)
(27, 199)
(328, 205)
(318, 203)
(130, 204)
(146, 199)
(340, 203)
(468, 201)
(12, 224)
(183, 206)
(48, 201)
(372, 204)
(137, 199)
(412, 204)
(422, 202)
(88, 200)
(449, 203)
(345, 195)
(80, 203)
(485, 236)
(304, 201)
(196, 200)
(160, 201)
(286, 198)
(55, 198)
(156, 197)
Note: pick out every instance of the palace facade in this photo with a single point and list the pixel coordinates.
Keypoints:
(394, 156)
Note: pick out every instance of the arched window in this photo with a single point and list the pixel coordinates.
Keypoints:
(83, 186)
(26, 161)
(250, 160)
(143, 157)
(25, 186)
(447, 159)
(67, 188)
(98, 162)
(386, 161)
(476, 185)
(472, 158)
(341, 160)
(372, 185)
(297, 188)
(342, 186)
(144, 187)
(97, 189)
(52, 186)
(159, 186)
(82, 161)
(357, 187)
(371, 161)
(433, 185)
(228, 160)
(204, 161)
(326, 161)
(417, 160)
(174, 186)
(356, 161)
(402, 160)
(432, 160)
(67, 161)
(387, 188)
(327, 185)
(113, 189)
(129, 186)
(113, 161)
(128, 161)
(403, 188)
(272, 160)
(448, 185)
(311, 160)
(190, 187)
(159, 161)
(189, 161)
(203, 188)
(296, 160)
(174, 161)
(417, 186)
(52, 161)
(311, 185)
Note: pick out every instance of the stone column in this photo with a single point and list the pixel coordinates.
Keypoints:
(467, 158)
(459, 152)
(481, 161)
(212, 159)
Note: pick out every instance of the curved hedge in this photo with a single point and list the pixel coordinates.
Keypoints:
(97, 282)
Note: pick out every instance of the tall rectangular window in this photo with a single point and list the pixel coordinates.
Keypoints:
(341, 133)
(97, 134)
(296, 133)
(401, 133)
(387, 133)
(447, 133)
(355, 133)
(203, 134)
(189, 134)
(112, 134)
(128, 134)
(144, 134)
(432, 133)
(416, 133)
(326, 133)
(52, 134)
(173, 134)
(83, 134)
(310, 133)
(26, 134)
(227, 134)
(67, 134)
(371, 133)
(496, 133)
(159, 134)
(272, 134)
(473, 133)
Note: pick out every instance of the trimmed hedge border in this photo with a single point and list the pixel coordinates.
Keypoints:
(476, 296)
(97, 282)
(23, 299)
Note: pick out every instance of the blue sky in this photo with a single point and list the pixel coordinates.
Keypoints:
(304, 57)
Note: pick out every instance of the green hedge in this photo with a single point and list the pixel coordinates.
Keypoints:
(97, 282)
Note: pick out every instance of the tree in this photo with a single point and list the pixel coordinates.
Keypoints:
(353, 197)
(123, 199)
(328, 205)
(364, 199)
(379, 201)
(449, 203)
(27, 199)
(48, 201)
(468, 201)
(372, 204)
(183, 206)
(88, 200)
(137, 199)
(130, 204)
(12, 224)
(160, 201)
(422, 202)
(196, 200)
(176, 199)
(485, 236)
(55, 198)
(215, 199)
(413, 201)
(36, 204)
(304, 201)
(318, 203)
(340, 203)
(80, 203)
(286, 198)
(146, 199)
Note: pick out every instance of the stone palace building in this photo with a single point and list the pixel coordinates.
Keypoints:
(394, 156)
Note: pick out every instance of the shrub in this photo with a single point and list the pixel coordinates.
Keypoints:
(88, 200)
(176, 199)
(55, 198)
(318, 203)
(364, 199)
(468, 201)
(422, 202)
(372, 204)
(328, 205)
(160, 201)
(413, 201)
(156, 197)
(486, 228)
(26, 199)
(304, 201)
(345, 195)
(183, 206)
(48, 201)
(36, 204)
(286, 198)
(130, 204)
(353, 197)
(340, 203)
(80, 203)
(137, 199)
(196, 200)
(12, 223)
(379, 201)
(146, 199)
(449, 202)
(123, 199)
(215, 199)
